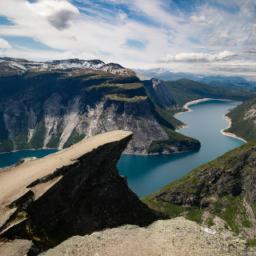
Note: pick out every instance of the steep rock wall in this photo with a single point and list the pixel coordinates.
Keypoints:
(70, 197)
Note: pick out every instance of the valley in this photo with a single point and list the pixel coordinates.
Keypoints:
(127, 128)
(223, 188)
(147, 174)
(82, 98)
(173, 132)
(77, 101)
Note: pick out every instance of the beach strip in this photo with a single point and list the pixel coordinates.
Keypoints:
(229, 134)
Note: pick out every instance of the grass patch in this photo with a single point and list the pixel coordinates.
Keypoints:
(231, 209)
(125, 86)
(171, 210)
(194, 214)
(209, 222)
(168, 209)
(122, 98)
(251, 242)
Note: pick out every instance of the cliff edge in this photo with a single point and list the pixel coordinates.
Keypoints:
(176, 237)
(75, 191)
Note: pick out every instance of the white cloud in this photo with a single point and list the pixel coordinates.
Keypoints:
(4, 44)
(202, 39)
(58, 12)
(196, 18)
(200, 57)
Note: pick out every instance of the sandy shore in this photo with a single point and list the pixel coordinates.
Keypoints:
(194, 102)
(186, 106)
(229, 134)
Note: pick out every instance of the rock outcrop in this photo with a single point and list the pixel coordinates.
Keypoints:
(176, 237)
(56, 104)
(225, 187)
(72, 192)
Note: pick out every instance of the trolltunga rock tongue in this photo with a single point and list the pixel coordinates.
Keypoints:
(72, 192)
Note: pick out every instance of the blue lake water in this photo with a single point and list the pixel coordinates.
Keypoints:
(7, 159)
(147, 174)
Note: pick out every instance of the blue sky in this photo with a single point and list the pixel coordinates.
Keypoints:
(197, 36)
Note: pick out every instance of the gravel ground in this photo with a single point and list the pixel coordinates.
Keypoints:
(177, 237)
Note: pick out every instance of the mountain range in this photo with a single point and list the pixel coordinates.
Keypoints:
(214, 80)
(77, 191)
(55, 104)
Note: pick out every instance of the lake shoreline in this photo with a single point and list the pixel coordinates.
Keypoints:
(223, 131)
(148, 173)
(186, 108)
(28, 149)
(230, 134)
(195, 102)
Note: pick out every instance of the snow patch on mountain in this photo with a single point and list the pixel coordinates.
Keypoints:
(69, 64)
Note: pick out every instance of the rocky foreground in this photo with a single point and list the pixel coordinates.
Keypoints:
(75, 203)
(73, 192)
(225, 187)
(176, 237)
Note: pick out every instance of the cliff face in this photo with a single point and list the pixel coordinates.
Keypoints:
(224, 188)
(73, 192)
(174, 94)
(56, 104)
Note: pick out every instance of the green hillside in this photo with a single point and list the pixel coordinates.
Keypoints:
(224, 188)
(244, 120)
(185, 90)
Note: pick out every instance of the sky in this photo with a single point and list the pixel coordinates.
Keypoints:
(196, 36)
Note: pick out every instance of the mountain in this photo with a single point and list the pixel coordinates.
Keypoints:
(73, 192)
(55, 104)
(20, 66)
(222, 189)
(213, 80)
(244, 120)
(177, 93)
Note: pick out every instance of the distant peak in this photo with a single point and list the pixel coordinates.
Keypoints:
(22, 65)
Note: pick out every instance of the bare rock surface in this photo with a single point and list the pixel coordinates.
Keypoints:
(14, 181)
(175, 237)
(76, 191)
(14, 248)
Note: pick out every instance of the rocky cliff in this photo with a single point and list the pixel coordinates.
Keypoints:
(176, 237)
(225, 188)
(56, 104)
(174, 94)
(72, 192)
